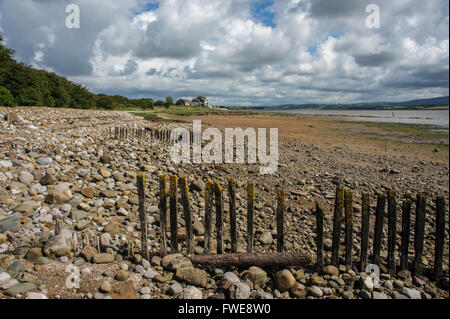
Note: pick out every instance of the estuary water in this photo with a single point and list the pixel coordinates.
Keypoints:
(428, 117)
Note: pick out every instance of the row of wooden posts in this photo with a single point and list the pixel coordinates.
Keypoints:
(163, 135)
(343, 211)
(139, 133)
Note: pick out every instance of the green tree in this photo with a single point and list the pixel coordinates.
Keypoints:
(159, 103)
(6, 99)
(169, 101)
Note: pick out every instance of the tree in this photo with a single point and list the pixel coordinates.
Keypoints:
(169, 101)
(159, 103)
(22, 85)
(6, 99)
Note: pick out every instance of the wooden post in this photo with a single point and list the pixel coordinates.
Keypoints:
(365, 221)
(173, 214)
(209, 195)
(392, 232)
(406, 231)
(187, 213)
(163, 212)
(97, 241)
(337, 220)
(419, 233)
(218, 198)
(130, 248)
(142, 215)
(440, 237)
(233, 228)
(319, 239)
(250, 208)
(58, 225)
(348, 228)
(379, 222)
(280, 220)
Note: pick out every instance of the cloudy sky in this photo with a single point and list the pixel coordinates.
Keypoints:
(239, 52)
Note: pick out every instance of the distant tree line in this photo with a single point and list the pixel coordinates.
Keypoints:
(21, 85)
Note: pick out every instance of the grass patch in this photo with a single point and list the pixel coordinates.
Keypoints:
(155, 118)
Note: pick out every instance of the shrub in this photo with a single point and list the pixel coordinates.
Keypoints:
(6, 99)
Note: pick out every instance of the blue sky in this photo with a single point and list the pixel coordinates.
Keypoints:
(262, 12)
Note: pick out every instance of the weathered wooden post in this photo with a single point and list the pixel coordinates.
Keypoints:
(337, 220)
(130, 248)
(379, 223)
(58, 225)
(163, 212)
(392, 232)
(233, 227)
(209, 195)
(173, 214)
(280, 220)
(218, 198)
(97, 242)
(419, 233)
(187, 213)
(142, 215)
(250, 208)
(365, 214)
(406, 231)
(348, 228)
(319, 239)
(440, 236)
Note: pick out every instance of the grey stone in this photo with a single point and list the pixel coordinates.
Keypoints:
(379, 295)
(284, 280)
(242, 291)
(78, 215)
(43, 261)
(16, 267)
(266, 238)
(175, 289)
(26, 177)
(193, 276)
(11, 223)
(198, 228)
(190, 292)
(231, 277)
(57, 246)
(103, 258)
(198, 186)
(411, 293)
(105, 286)
(44, 161)
(315, 291)
(21, 288)
(256, 275)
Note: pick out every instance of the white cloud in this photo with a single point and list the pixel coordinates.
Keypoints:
(318, 51)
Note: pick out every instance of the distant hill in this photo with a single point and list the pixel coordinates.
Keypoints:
(413, 104)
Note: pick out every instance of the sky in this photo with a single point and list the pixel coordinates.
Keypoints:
(239, 52)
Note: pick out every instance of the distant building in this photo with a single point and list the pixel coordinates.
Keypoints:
(185, 102)
(199, 101)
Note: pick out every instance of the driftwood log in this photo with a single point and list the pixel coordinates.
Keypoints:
(254, 259)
